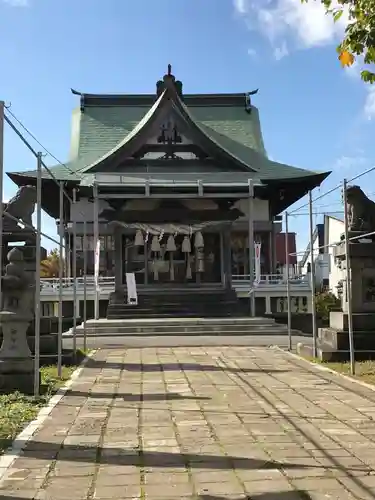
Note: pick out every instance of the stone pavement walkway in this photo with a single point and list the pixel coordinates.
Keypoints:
(209, 423)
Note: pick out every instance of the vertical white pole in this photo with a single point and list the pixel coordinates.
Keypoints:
(68, 256)
(74, 265)
(349, 284)
(1, 193)
(251, 247)
(312, 276)
(37, 274)
(288, 282)
(84, 284)
(96, 239)
(61, 270)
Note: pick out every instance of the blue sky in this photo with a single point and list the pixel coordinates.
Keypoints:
(314, 114)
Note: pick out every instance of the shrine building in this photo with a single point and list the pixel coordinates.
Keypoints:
(172, 173)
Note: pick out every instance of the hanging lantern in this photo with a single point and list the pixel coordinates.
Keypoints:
(200, 266)
(188, 266)
(186, 245)
(171, 244)
(199, 260)
(155, 244)
(198, 241)
(138, 241)
(171, 267)
(155, 269)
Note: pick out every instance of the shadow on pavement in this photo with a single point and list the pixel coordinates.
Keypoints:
(133, 456)
(170, 396)
(282, 495)
(272, 495)
(157, 367)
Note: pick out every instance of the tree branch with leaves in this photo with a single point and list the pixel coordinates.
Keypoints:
(359, 37)
(50, 267)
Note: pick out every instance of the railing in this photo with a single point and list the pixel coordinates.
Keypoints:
(270, 279)
(50, 286)
(271, 282)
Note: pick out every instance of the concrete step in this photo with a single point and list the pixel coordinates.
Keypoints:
(246, 320)
(191, 333)
(165, 315)
(183, 326)
(169, 303)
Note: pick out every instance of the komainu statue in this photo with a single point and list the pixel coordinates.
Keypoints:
(18, 286)
(361, 210)
(22, 207)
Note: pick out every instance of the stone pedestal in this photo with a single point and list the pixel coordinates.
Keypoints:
(16, 363)
(333, 342)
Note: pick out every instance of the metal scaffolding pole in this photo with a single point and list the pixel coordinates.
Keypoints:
(61, 270)
(96, 243)
(1, 193)
(251, 247)
(37, 274)
(312, 277)
(74, 265)
(349, 284)
(288, 282)
(84, 284)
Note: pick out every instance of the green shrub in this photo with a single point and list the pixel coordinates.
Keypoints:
(325, 303)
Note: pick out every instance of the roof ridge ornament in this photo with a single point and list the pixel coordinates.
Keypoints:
(248, 100)
(169, 82)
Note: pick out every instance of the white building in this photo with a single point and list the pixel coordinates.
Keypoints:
(333, 229)
(327, 273)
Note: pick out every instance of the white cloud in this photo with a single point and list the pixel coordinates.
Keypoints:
(354, 71)
(306, 24)
(17, 3)
(252, 53)
(281, 51)
(241, 6)
(370, 102)
(346, 162)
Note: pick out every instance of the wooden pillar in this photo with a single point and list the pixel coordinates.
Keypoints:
(222, 272)
(118, 237)
(272, 250)
(68, 255)
(227, 260)
(146, 263)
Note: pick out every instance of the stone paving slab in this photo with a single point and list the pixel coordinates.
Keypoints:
(208, 423)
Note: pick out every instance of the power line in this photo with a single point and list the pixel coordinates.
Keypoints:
(334, 189)
(354, 238)
(37, 141)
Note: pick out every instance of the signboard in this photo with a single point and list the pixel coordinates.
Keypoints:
(132, 288)
(257, 247)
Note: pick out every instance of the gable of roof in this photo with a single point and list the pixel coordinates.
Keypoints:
(106, 124)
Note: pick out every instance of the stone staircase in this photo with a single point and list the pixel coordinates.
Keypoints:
(190, 326)
(166, 303)
(198, 312)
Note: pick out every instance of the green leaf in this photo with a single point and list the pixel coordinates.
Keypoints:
(359, 33)
(337, 15)
(368, 76)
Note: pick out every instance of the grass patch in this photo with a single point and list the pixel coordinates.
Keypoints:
(364, 370)
(17, 410)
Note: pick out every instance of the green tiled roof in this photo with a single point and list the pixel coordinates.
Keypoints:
(104, 128)
(232, 123)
